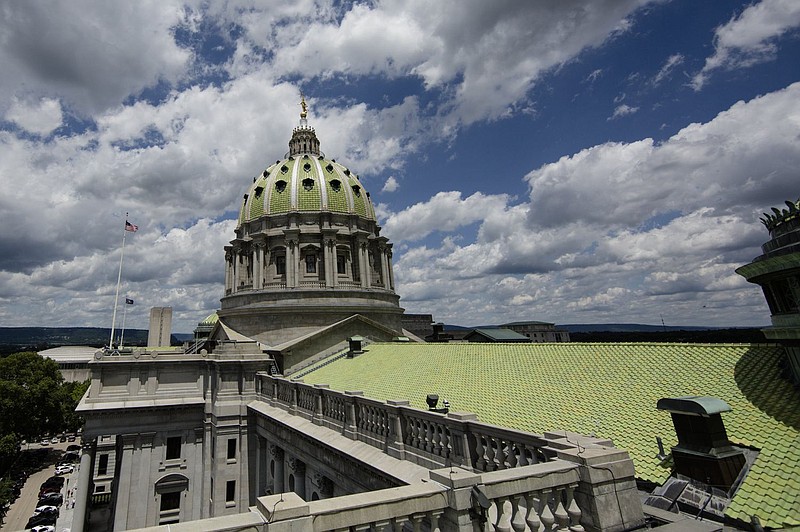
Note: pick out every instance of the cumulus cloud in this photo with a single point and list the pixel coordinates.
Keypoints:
(493, 52)
(446, 211)
(390, 185)
(622, 227)
(94, 60)
(750, 38)
(40, 118)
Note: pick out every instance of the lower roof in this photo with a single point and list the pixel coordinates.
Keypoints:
(609, 390)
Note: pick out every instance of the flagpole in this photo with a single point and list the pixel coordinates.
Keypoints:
(124, 313)
(119, 279)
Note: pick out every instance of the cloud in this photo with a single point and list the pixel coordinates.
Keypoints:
(622, 110)
(483, 57)
(391, 184)
(639, 229)
(750, 38)
(92, 61)
(672, 61)
(40, 118)
(446, 211)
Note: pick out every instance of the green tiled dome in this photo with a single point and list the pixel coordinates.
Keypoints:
(305, 182)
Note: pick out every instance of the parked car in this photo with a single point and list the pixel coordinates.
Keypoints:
(71, 438)
(54, 481)
(54, 441)
(64, 469)
(70, 456)
(53, 499)
(43, 528)
(44, 441)
(46, 509)
(41, 519)
(73, 447)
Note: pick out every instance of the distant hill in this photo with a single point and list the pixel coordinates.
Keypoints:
(638, 332)
(631, 327)
(14, 339)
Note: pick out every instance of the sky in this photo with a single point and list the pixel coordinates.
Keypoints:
(570, 161)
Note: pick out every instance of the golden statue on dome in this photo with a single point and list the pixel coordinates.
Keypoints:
(303, 106)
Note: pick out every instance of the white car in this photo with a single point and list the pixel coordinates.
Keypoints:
(45, 508)
(65, 469)
(43, 528)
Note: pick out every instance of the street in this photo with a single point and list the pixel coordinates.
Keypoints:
(23, 507)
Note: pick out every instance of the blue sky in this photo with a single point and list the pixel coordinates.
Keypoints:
(575, 162)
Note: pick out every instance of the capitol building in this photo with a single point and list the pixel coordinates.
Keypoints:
(306, 406)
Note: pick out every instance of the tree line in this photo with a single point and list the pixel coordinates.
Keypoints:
(34, 402)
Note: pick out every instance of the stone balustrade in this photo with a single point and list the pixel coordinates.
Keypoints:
(426, 438)
(555, 481)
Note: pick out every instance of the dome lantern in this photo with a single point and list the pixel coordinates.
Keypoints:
(304, 139)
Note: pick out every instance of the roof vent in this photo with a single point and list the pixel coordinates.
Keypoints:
(704, 452)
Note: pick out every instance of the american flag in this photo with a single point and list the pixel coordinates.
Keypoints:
(131, 227)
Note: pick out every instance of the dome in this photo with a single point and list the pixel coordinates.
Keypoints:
(308, 252)
(305, 181)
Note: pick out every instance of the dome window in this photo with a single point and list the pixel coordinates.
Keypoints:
(346, 171)
(357, 191)
(329, 168)
(265, 173)
(308, 184)
(284, 169)
(259, 190)
(305, 156)
(336, 185)
(307, 167)
(280, 186)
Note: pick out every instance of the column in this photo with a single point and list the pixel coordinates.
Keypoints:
(277, 457)
(257, 276)
(363, 264)
(389, 266)
(384, 267)
(235, 270)
(141, 480)
(83, 492)
(228, 272)
(122, 485)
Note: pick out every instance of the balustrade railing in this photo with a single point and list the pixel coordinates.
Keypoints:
(485, 475)
(427, 438)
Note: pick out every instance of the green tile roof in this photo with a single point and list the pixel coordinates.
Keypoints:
(610, 390)
(305, 185)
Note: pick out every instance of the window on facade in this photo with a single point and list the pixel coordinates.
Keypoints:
(173, 448)
(102, 464)
(308, 184)
(170, 501)
(231, 448)
(311, 263)
(284, 169)
(336, 185)
(280, 265)
(307, 166)
(341, 268)
(280, 186)
(357, 191)
(230, 491)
